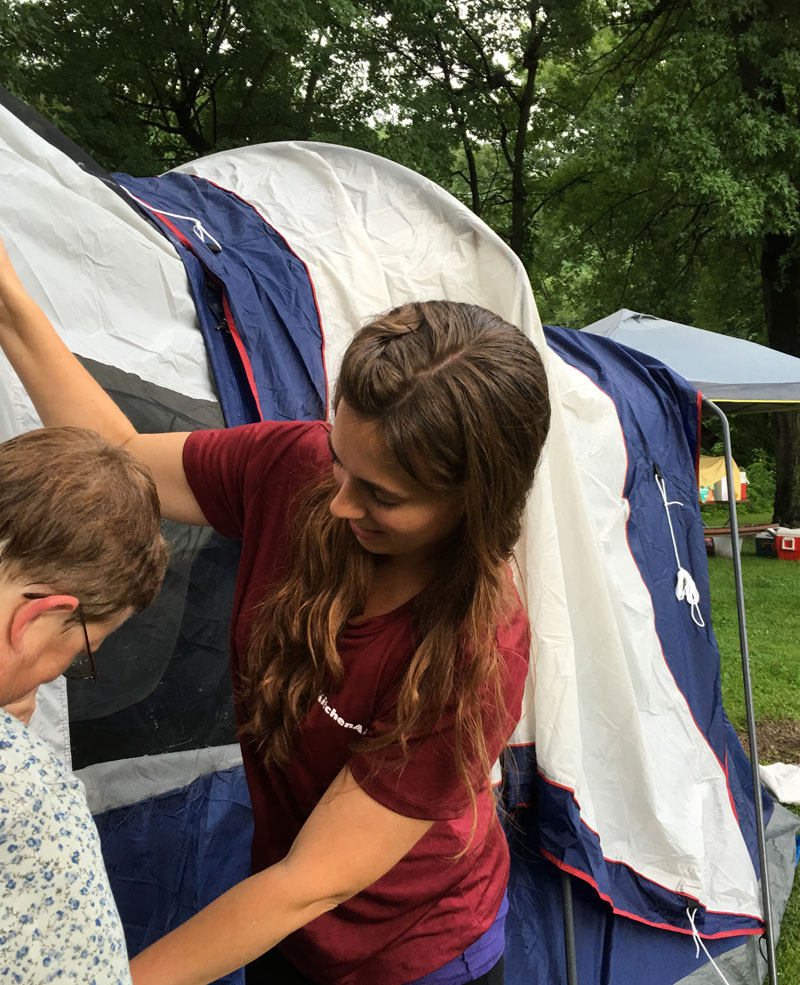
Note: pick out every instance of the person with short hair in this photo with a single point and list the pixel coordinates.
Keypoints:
(81, 549)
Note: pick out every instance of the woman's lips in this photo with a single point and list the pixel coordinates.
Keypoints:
(361, 533)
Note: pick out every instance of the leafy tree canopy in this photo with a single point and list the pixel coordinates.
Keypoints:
(636, 153)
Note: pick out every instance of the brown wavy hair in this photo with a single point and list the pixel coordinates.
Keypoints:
(461, 398)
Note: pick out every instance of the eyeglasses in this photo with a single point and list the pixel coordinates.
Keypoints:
(83, 667)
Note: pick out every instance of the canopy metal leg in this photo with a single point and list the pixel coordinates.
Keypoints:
(569, 928)
(748, 695)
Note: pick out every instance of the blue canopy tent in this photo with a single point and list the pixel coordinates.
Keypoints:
(738, 375)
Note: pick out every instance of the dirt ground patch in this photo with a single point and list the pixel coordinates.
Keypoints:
(778, 741)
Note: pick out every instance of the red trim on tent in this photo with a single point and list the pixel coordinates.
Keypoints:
(584, 822)
(237, 340)
(659, 926)
(653, 611)
(183, 240)
(640, 875)
(723, 769)
(652, 607)
(308, 274)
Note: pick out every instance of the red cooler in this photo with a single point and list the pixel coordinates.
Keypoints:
(787, 544)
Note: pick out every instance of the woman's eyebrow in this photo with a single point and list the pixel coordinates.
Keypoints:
(391, 493)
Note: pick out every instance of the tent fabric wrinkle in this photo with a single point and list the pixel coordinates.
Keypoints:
(174, 853)
(111, 785)
(86, 254)
(612, 950)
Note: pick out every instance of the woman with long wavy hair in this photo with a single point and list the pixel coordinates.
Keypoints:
(379, 648)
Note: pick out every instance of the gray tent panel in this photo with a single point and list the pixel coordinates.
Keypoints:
(746, 965)
(742, 375)
(174, 692)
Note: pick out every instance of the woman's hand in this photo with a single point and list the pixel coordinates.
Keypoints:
(348, 842)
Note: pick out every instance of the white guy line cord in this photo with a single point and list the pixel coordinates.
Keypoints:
(685, 588)
(197, 227)
(698, 943)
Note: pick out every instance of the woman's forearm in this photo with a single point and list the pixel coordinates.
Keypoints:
(233, 930)
(61, 390)
(347, 844)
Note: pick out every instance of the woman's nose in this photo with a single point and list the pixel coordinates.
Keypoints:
(346, 504)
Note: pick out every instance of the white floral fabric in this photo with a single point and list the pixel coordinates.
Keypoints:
(58, 918)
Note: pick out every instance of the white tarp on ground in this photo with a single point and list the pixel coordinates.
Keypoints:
(375, 235)
(783, 781)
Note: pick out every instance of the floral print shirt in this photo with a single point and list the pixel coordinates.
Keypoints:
(58, 919)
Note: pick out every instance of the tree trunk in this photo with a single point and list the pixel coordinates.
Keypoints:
(474, 183)
(786, 430)
(780, 282)
(519, 210)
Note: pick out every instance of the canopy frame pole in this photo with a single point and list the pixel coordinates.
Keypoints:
(569, 928)
(748, 694)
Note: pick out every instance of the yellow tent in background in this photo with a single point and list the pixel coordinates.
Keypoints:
(712, 473)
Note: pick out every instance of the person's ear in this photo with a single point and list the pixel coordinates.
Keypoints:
(32, 609)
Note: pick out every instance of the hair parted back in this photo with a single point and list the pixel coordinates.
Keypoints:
(81, 515)
(461, 398)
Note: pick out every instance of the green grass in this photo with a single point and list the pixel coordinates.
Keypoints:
(771, 594)
(771, 590)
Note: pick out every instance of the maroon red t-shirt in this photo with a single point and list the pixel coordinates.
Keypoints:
(430, 906)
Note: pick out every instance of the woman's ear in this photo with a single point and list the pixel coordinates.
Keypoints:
(29, 610)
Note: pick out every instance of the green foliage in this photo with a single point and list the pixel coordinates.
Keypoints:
(687, 161)
(466, 88)
(144, 84)
(761, 484)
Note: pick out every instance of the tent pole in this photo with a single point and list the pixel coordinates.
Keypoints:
(569, 928)
(748, 694)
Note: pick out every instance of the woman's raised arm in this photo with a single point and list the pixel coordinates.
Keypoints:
(64, 393)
